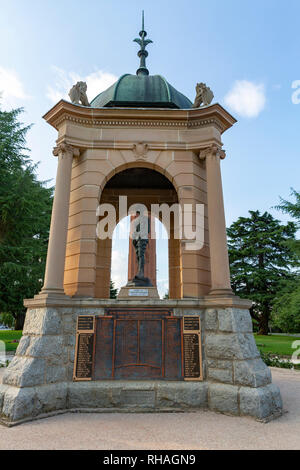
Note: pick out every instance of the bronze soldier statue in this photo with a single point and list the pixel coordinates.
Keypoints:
(140, 242)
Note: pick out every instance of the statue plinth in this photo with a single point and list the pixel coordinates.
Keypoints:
(136, 292)
(139, 281)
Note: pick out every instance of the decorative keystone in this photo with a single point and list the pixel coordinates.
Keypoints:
(140, 150)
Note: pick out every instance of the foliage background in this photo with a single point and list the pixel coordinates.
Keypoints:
(25, 211)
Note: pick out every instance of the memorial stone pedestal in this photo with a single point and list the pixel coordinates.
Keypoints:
(217, 365)
(138, 293)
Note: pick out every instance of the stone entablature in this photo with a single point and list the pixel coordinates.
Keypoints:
(214, 115)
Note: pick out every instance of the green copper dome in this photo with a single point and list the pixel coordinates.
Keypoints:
(141, 91)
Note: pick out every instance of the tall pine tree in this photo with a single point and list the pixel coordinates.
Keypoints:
(293, 209)
(25, 211)
(260, 261)
(113, 291)
(286, 309)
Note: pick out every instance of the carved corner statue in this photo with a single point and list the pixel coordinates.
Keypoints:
(140, 242)
(78, 93)
(204, 95)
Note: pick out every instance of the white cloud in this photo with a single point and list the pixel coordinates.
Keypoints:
(99, 81)
(162, 287)
(63, 81)
(119, 265)
(11, 89)
(121, 231)
(246, 98)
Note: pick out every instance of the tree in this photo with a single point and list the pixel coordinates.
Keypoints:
(25, 211)
(260, 261)
(293, 209)
(286, 309)
(113, 291)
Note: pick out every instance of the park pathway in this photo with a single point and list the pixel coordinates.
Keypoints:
(200, 430)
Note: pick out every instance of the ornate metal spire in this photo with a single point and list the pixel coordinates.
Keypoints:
(142, 70)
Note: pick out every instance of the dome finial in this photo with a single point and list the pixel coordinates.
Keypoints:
(142, 70)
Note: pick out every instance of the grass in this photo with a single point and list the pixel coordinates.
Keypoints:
(279, 345)
(9, 337)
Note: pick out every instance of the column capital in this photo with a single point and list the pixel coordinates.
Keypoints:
(63, 148)
(212, 151)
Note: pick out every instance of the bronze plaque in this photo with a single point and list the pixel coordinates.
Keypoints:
(192, 348)
(85, 322)
(84, 350)
(84, 356)
(104, 348)
(138, 344)
(191, 323)
(172, 349)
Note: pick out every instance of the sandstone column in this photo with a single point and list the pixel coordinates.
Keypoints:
(54, 273)
(220, 275)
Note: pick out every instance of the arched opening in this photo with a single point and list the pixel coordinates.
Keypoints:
(139, 178)
(138, 186)
(123, 262)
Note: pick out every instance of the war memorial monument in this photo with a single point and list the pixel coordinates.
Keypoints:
(141, 141)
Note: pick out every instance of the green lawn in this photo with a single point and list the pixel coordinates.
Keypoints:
(280, 345)
(8, 337)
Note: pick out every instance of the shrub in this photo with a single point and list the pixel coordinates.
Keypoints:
(7, 319)
(276, 361)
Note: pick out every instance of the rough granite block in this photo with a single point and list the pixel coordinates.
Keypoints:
(233, 320)
(261, 403)
(220, 375)
(223, 398)
(252, 373)
(25, 372)
(211, 319)
(45, 346)
(231, 346)
(45, 321)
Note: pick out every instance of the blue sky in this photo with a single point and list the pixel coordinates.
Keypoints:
(246, 51)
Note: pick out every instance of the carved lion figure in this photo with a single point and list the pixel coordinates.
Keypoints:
(78, 93)
(204, 95)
